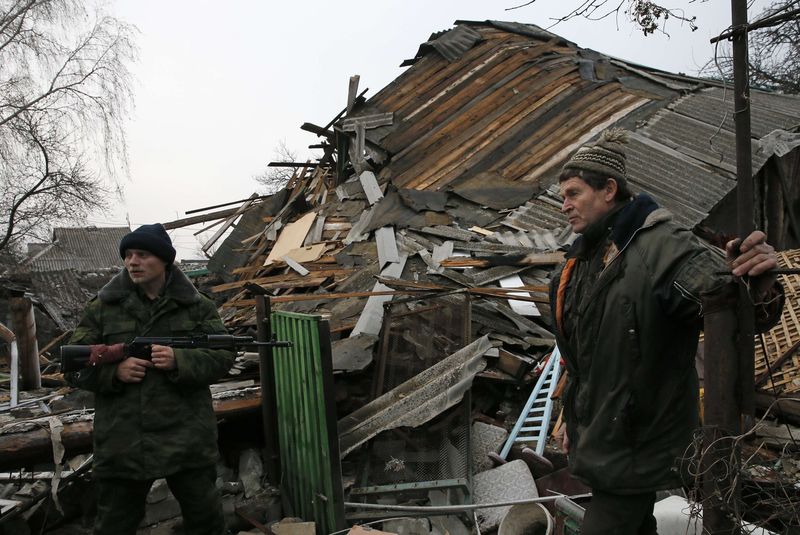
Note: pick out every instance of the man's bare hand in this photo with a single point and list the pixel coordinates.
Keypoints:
(163, 357)
(132, 370)
(753, 257)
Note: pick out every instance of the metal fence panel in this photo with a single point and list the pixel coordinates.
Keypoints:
(309, 446)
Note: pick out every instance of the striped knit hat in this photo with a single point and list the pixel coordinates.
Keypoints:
(606, 156)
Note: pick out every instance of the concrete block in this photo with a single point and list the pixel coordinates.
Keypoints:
(486, 438)
(509, 482)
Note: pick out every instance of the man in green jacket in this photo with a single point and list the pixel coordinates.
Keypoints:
(153, 418)
(627, 315)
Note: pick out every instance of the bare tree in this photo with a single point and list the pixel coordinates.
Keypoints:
(774, 52)
(274, 178)
(64, 93)
(648, 16)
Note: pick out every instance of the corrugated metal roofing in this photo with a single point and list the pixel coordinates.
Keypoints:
(711, 108)
(61, 295)
(451, 44)
(82, 249)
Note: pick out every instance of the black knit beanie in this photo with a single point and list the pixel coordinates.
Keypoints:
(152, 238)
(606, 156)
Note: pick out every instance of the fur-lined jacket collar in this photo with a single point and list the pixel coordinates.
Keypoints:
(178, 287)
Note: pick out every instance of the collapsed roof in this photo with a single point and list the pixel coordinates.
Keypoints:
(459, 156)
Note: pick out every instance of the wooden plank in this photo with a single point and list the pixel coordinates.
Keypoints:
(233, 406)
(446, 143)
(239, 211)
(291, 237)
(469, 101)
(309, 253)
(540, 259)
(209, 227)
(481, 230)
(243, 303)
(55, 341)
(299, 282)
(6, 334)
(319, 225)
(295, 266)
(352, 92)
(185, 222)
(24, 323)
(368, 121)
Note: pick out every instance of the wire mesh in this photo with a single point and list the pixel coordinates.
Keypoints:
(417, 334)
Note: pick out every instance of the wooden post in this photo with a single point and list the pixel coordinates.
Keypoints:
(744, 197)
(729, 328)
(8, 336)
(721, 414)
(269, 403)
(23, 324)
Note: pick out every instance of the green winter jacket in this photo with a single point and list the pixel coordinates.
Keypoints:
(166, 423)
(629, 342)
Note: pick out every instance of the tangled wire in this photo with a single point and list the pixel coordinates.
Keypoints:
(751, 481)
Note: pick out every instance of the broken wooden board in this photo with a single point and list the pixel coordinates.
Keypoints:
(308, 253)
(290, 277)
(535, 259)
(292, 237)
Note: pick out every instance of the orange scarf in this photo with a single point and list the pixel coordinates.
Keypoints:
(566, 273)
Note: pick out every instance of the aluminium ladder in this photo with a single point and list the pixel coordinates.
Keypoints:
(534, 420)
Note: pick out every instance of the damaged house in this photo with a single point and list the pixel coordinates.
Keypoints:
(454, 161)
(392, 237)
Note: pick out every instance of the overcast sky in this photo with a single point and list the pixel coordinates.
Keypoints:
(220, 84)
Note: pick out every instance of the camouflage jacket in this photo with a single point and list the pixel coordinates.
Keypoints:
(166, 423)
(631, 316)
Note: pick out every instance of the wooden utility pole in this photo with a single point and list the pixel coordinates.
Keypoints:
(729, 327)
(744, 195)
(23, 324)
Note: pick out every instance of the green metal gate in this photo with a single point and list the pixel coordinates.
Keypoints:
(309, 447)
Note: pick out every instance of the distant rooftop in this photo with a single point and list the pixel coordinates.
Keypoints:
(81, 249)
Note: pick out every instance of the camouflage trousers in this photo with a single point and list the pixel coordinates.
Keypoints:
(121, 503)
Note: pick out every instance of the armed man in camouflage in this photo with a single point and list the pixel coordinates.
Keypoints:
(153, 418)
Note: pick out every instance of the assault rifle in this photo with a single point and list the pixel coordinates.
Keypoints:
(75, 358)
